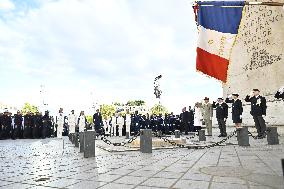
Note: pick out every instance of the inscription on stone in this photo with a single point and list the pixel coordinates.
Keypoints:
(257, 32)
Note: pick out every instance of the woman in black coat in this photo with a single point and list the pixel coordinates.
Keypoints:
(237, 109)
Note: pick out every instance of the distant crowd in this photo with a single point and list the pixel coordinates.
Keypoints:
(36, 125)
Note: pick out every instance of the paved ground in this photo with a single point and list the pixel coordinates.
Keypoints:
(44, 164)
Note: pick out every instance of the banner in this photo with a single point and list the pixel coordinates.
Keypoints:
(218, 23)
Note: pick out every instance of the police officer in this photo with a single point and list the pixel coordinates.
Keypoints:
(258, 111)
(221, 115)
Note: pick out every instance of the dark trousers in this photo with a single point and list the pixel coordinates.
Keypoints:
(222, 126)
(259, 125)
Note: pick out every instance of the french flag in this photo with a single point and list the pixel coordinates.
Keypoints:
(218, 24)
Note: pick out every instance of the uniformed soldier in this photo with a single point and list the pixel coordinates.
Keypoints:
(221, 115)
(207, 114)
(37, 125)
(28, 125)
(72, 120)
(258, 111)
(18, 125)
(59, 123)
(280, 93)
(237, 109)
(46, 125)
(7, 124)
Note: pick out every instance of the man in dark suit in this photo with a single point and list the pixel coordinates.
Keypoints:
(221, 115)
(98, 121)
(185, 118)
(258, 111)
(191, 119)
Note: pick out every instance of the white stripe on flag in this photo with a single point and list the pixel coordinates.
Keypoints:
(215, 42)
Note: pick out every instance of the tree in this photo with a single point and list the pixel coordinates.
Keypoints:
(107, 110)
(89, 118)
(159, 109)
(135, 103)
(29, 108)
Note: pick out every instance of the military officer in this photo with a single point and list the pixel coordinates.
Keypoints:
(258, 111)
(207, 114)
(221, 115)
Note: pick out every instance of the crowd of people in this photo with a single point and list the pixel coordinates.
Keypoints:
(190, 120)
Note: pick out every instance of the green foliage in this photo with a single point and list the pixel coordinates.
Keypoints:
(135, 103)
(107, 110)
(159, 109)
(29, 108)
(89, 118)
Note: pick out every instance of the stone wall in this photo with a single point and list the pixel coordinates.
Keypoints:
(257, 59)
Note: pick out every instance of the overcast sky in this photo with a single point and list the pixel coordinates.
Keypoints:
(111, 48)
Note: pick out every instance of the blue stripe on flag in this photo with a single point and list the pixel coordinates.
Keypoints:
(213, 15)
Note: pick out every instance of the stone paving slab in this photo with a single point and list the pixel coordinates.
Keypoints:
(56, 163)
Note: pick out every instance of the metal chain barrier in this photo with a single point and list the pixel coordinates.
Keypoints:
(195, 147)
(256, 137)
(108, 142)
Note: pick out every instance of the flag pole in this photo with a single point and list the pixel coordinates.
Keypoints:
(264, 3)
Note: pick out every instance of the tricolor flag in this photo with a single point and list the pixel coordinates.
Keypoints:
(218, 23)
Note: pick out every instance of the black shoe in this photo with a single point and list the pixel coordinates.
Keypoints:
(220, 135)
(225, 135)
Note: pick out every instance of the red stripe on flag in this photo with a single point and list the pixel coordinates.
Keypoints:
(212, 65)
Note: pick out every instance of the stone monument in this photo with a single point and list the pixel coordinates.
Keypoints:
(257, 60)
